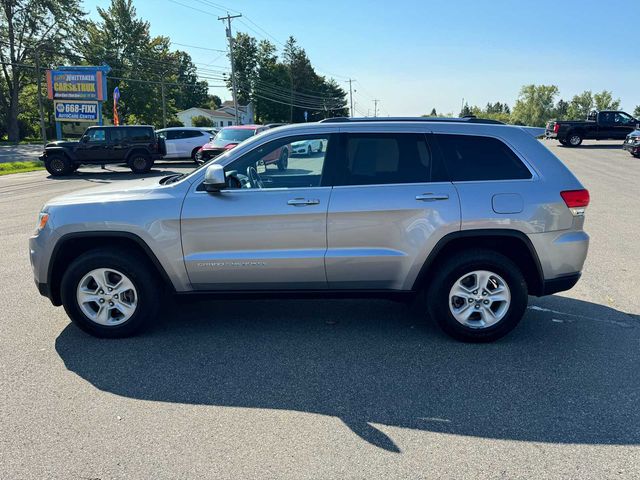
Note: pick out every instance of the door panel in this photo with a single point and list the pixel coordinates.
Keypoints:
(379, 236)
(250, 239)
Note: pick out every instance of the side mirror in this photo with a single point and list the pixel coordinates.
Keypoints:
(214, 179)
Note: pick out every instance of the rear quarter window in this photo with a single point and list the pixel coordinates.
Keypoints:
(478, 158)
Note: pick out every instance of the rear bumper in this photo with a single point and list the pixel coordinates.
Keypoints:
(633, 148)
(550, 134)
(560, 284)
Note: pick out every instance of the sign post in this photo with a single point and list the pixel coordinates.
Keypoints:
(78, 93)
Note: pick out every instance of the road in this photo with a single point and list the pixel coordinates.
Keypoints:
(20, 153)
(328, 389)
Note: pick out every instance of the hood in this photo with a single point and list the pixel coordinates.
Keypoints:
(219, 145)
(60, 143)
(113, 192)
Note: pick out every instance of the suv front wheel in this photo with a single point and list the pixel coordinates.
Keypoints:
(58, 165)
(109, 293)
(478, 296)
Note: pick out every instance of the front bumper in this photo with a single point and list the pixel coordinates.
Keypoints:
(633, 148)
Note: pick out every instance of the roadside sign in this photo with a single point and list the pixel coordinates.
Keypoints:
(76, 111)
(78, 83)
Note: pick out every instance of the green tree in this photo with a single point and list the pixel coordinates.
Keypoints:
(604, 101)
(27, 28)
(433, 113)
(245, 50)
(201, 121)
(465, 110)
(636, 112)
(560, 111)
(580, 106)
(535, 105)
(213, 102)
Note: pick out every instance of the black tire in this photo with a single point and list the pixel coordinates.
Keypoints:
(139, 272)
(194, 153)
(283, 161)
(574, 139)
(455, 268)
(309, 151)
(320, 147)
(563, 142)
(58, 165)
(139, 163)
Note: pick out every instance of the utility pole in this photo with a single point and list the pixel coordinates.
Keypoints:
(43, 130)
(164, 105)
(233, 67)
(351, 97)
(375, 107)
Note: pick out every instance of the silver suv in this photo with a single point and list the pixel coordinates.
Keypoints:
(466, 216)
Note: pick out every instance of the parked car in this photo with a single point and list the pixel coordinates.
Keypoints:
(307, 147)
(632, 143)
(184, 142)
(229, 137)
(136, 146)
(465, 217)
(600, 125)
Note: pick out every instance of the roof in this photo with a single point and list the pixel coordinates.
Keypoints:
(208, 111)
(243, 127)
(199, 129)
(469, 119)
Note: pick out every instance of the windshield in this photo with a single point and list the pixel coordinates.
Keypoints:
(234, 135)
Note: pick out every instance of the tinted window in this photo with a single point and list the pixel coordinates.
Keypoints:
(469, 158)
(192, 133)
(371, 159)
(172, 134)
(117, 134)
(140, 134)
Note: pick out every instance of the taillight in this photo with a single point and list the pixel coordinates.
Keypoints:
(556, 127)
(576, 200)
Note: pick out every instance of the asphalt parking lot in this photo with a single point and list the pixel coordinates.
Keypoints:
(328, 389)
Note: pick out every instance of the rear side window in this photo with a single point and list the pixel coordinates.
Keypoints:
(475, 158)
(140, 134)
(371, 159)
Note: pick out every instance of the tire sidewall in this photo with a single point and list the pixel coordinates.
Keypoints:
(67, 167)
(573, 134)
(137, 156)
(438, 297)
(146, 289)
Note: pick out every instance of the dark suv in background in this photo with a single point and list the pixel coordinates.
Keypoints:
(137, 146)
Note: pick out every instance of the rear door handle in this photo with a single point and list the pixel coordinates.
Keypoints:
(430, 197)
(303, 201)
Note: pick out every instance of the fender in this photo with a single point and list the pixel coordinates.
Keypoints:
(482, 233)
(68, 153)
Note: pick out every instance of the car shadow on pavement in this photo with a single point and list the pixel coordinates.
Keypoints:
(606, 146)
(567, 374)
(109, 173)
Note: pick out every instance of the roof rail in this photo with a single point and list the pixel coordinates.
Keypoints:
(468, 119)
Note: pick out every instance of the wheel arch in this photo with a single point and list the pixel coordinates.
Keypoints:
(512, 243)
(137, 150)
(60, 151)
(72, 245)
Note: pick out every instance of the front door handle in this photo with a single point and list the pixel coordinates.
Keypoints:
(430, 197)
(303, 201)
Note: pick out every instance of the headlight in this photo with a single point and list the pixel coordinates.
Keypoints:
(43, 218)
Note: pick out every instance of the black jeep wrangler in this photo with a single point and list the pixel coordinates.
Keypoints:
(135, 146)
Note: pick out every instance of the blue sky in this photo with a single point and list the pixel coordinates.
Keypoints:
(415, 55)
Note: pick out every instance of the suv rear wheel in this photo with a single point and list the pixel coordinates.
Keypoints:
(58, 165)
(283, 161)
(478, 296)
(109, 293)
(140, 163)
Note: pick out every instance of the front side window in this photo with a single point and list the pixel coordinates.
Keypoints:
(96, 135)
(386, 158)
(623, 119)
(282, 163)
(477, 158)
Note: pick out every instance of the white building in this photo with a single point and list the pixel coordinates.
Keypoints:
(221, 117)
